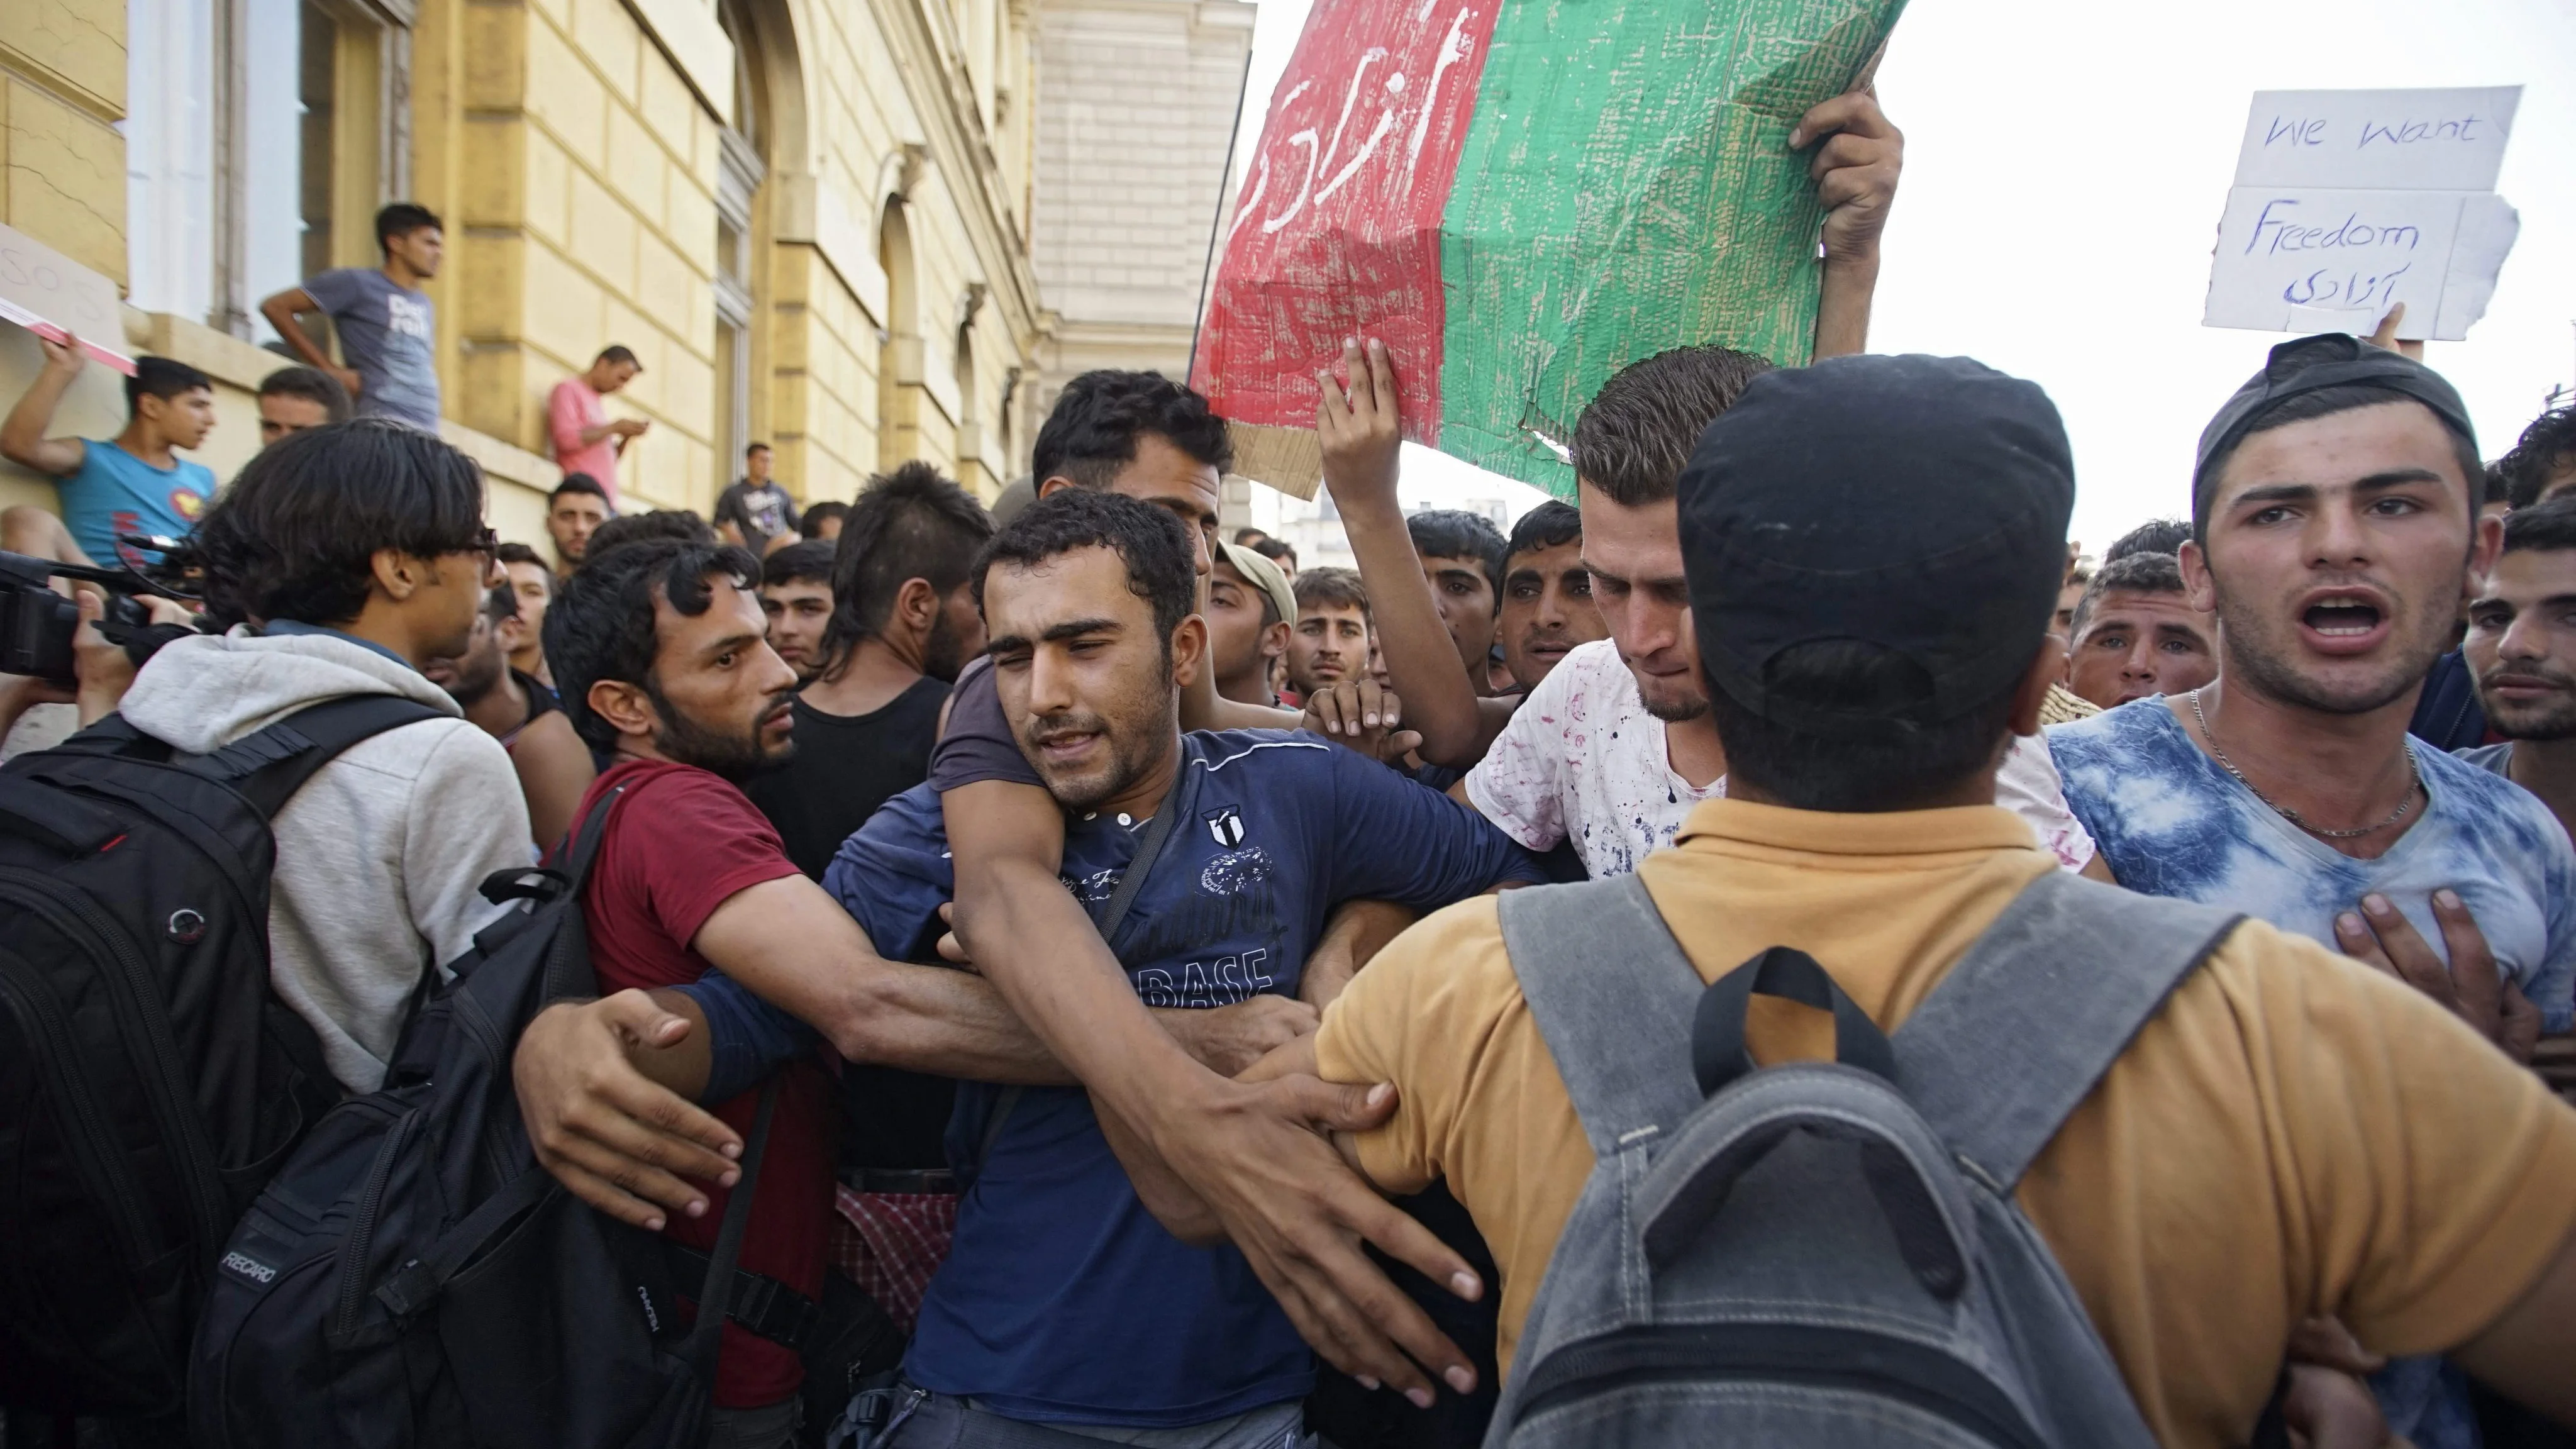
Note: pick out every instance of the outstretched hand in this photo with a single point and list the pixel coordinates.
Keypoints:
(620, 1141)
(1300, 1216)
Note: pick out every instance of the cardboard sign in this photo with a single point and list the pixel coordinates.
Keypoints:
(2429, 140)
(1522, 197)
(51, 295)
(2349, 202)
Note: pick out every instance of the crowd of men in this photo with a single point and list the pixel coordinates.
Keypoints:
(1114, 907)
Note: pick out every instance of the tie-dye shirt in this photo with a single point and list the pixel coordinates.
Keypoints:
(2173, 823)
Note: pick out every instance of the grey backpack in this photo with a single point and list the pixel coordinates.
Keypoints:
(1825, 1253)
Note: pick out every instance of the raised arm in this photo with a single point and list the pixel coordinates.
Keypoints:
(22, 437)
(1360, 430)
(1855, 171)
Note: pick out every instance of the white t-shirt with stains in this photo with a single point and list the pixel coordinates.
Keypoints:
(1582, 759)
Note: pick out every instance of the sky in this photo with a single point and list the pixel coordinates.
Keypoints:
(2065, 167)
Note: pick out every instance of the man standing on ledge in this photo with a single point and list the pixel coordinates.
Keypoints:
(586, 439)
(388, 327)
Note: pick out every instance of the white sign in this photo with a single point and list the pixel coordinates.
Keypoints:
(2349, 202)
(2449, 140)
(49, 294)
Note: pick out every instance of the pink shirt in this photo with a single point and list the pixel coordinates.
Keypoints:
(569, 409)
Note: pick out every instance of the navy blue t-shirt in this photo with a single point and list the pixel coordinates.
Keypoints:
(1063, 1299)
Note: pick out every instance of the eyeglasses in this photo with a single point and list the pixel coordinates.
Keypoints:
(488, 545)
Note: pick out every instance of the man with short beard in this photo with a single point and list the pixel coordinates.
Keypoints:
(554, 766)
(574, 511)
(2336, 528)
(902, 623)
(1059, 1272)
(658, 646)
(2522, 650)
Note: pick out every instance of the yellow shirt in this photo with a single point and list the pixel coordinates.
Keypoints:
(2294, 1134)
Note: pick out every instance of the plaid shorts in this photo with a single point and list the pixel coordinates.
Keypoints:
(889, 1243)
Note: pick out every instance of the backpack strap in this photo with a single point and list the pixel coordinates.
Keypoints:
(267, 767)
(1614, 999)
(111, 735)
(2018, 1034)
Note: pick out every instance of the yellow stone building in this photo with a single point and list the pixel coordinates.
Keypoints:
(809, 220)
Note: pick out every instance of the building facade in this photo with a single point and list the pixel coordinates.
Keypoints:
(809, 220)
(1128, 176)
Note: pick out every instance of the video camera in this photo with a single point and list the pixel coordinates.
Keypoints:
(37, 624)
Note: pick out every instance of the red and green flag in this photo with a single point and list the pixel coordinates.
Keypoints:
(1521, 197)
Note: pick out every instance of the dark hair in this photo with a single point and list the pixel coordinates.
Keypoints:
(756, 448)
(295, 536)
(501, 602)
(402, 219)
(617, 353)
(809, 561)
(1329, 587)
(2543, 446)
(908, 524)
(2543, 527)
(1092, 432)
(1152, 544)
(1633, 439)
(520, 553)
(164, 378)
(311, 384)
(602, 626)
(818, 514)
(2325, 402)
(1275, 549)
(2157, 535)
(1456, 533)
(1905, 767)
(627, 529)
(1244, 537)
(2135, 573)
(1546, 526)
(576, 483)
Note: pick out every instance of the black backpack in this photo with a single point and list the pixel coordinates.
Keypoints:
(412, 1279)
(150, 1080)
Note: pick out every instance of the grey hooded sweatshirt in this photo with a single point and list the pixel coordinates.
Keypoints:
(379, 856)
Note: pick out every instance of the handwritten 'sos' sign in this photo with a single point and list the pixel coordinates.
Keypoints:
(49, 294)
(2348, 202)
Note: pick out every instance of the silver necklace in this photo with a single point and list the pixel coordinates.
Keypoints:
(2414, 781)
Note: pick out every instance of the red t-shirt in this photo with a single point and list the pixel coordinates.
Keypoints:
(681, 843)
